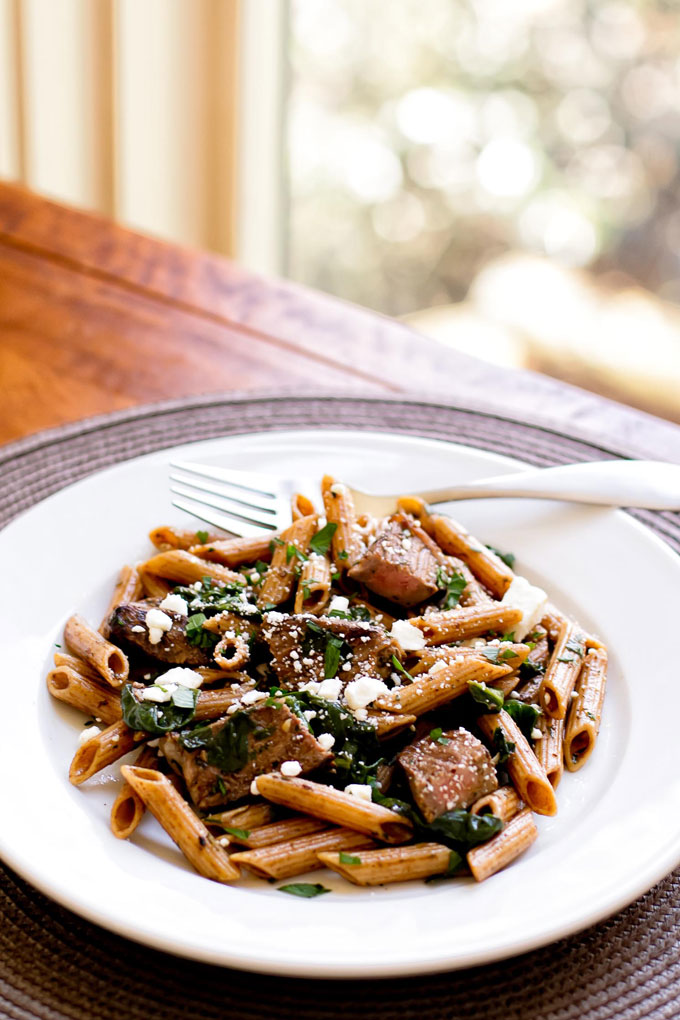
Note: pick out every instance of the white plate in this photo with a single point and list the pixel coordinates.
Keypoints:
(618, 827)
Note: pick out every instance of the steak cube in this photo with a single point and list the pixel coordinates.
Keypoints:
(448, 776)
(398, 565)
(255, 740)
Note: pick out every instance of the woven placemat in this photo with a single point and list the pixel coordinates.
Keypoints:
(54, 965)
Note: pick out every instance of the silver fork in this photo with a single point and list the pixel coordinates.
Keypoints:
(246, 503)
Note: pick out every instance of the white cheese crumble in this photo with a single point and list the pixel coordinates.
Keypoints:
(157, 623)
(330, 688)
(87, 734)
(359, 790)
(180, 676)
(532, 602)
(408, 636)
(253, 788)
(252, 697)
(326, 740)
(159, 694)
(536, 733)
(175, 603)
(291, 768)
(137, 629)
(364, 690)
(339, 603)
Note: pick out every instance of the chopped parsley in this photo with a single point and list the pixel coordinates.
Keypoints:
(292, 551)
(349, 858)
(237, 833)
(507, 557)
(401, 669)
(321, 542)
(196, 635)
(202, 536)
(488, 696)
(307, 890)
(437, 736)
(344, 555)
(454, 586)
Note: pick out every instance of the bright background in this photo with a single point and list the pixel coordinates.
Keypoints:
(504, 175)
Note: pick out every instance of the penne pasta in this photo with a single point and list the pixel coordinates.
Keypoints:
(335, 806)
(128, 589)
(440, 628)
(562, 670)
(103, 749)
(585, 714)
(390, 864)
(250, 816)
(213, 704)
(290, 552)
(300, 506)
(524, 768)
(78, 690)
(339, 507)
(389, 724)
(181, 824)
(503, 848)
(167, 537)
(444, 682)
(154, 587)
(279, 832)
(128, 808)
(109, 661)
(79, 665)
(185, 568)
(233, 552)
(504, 803)
(314, 585)
(299, 855)
(549, 748)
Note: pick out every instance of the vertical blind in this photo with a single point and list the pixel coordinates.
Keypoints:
(141, 110)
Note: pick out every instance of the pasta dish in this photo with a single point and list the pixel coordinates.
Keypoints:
(385, 698)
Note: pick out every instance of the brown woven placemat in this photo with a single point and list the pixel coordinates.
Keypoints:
(53, 965)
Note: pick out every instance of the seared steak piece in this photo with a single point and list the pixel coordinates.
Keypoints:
(127, 627)
(398, 565)
(447, 776)
(219, 761)
(298, 645)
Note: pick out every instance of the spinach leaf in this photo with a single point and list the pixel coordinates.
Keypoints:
(154, 717)
(528, 670)
(464, 828)
(227, 748)
(305, 889)
(508, 557)
(454, 586)
(196, 635)
(437, 737)
(496, 654)
(524, 715)
(213, 598)
(502, 747)
(334, 647)
(331, 659)
(321, 542)
(487, 696)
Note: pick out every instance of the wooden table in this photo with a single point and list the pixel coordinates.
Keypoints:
(94, 318)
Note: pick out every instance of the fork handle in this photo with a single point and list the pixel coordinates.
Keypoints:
(654, 485)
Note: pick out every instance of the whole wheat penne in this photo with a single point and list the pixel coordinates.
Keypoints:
(78, 664)
(299, 855)
(585, 714)
(444, 682)
(524, 768)
(503, 803)
(279, 832)
(155, 587)
(552, 621)
(289, 555)
(185, 568)
(233, 552)
(507, 684)
(213, 704)
(389, 724)
(507, 653)
(440, 628)
(314, 585)
(339, 506)
(562, 670)
(389, 864)
(128, 808)
(167, 537)
(88, 696)
(109, 661)
(300, 506)
(503, 848)
(250, 816)
(181, 824)
(102, 749)
(549, 748)
(335, 806)
(128, 589)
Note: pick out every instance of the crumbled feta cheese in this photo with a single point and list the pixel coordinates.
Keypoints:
(330, 688)
(252, 697)
(87, 734)
(326, 740)
(408, 636)
(175, 603)
(309, 715)
(157, 623)
(291, 768)
(360, 714)
(364, 690)
(339, 603)
(338, 489)
(438, 666)
(360, 790)
(532, 601)
(180, 675)
(536, 733)
(312, 686)
(253, 788)
(159, 694)
(137, 629)
(234, 708)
